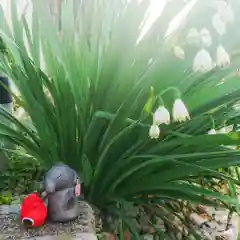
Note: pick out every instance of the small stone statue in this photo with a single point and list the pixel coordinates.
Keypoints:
(62, 188)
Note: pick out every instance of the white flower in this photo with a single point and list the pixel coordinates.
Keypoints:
(218, 24)
(180, 112)
(202, 61)
(231, 147)
(206, 37)
(193, 37)
(222, 131)
(225, 11)
(227, 14)
(179, 52)
(223, 58)
(20, 113)
(161, 115)
(212, 132)
(219, 4)
(154, 131)
(150, 61)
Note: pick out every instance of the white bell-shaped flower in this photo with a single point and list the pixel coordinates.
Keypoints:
(193, 37)
(179, 52)
(228, 15)
(202, 61)
(154, 131)
(225, 11)
(180, 112)
(222, 58)
(212, 131)
(222, 130)
(206, 37)
(218, 24)
(20, 113)
(161, 116)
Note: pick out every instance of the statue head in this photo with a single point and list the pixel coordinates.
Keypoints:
(60, 177)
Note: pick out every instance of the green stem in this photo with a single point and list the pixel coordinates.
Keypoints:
(237, 173)
(160, 101)
(174, 89)
(110, 116)
(212, 120)
(120, 225)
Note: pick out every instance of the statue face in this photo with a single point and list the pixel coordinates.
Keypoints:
(63, 206)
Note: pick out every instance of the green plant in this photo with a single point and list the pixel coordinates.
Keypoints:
(22, 176)
(99, 112)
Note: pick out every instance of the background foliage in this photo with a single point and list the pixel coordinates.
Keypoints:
(85, 89)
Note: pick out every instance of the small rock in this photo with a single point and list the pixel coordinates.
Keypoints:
(230, 234)
(85, 236)
(148, 237)
(198, 219)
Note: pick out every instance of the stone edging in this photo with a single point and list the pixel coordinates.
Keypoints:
(9, 209)
(85, 226)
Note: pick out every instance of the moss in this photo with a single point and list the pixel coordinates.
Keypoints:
(6, 198)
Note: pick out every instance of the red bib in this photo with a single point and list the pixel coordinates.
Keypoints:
(33, 211)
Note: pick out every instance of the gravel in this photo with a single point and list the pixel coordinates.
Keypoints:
(11, 227)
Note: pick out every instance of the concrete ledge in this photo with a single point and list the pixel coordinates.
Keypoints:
(82, 228)
(80, 236)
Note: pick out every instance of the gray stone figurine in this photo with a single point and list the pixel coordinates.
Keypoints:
(62, 187)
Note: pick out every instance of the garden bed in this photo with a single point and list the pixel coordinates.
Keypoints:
(211, 223)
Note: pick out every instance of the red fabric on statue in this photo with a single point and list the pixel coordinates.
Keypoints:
(33, 211)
